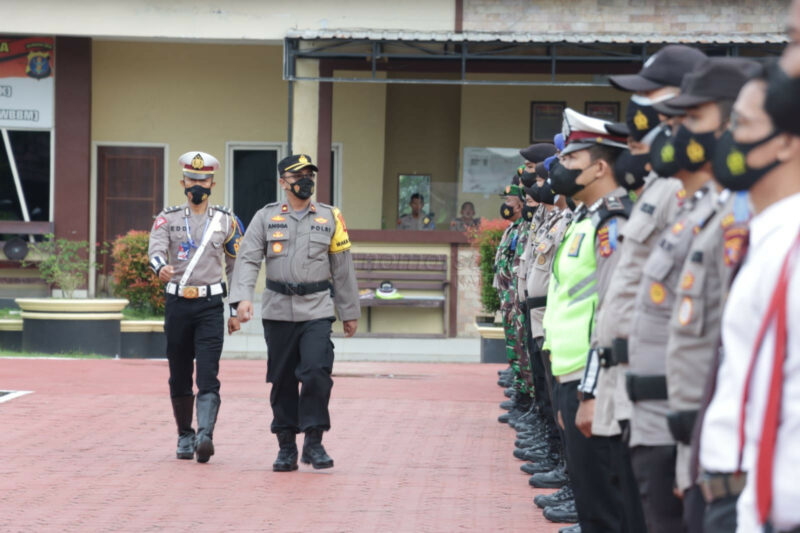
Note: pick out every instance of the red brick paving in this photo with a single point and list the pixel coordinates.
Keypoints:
(93, 449)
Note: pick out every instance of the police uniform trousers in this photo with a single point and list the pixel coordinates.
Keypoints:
(541, 386)
(654, 467)
(694, 508)
(299, 353)
(595, 470)
(720, 515)
(195, 330)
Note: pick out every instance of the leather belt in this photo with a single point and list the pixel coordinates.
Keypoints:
(298, 289)
(614, 355)
(681, 425)
(716, 486)
(646, 387)
(190, 292)
(537, 301)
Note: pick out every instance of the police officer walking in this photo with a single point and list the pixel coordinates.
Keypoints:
(187, 246)
(309, 272)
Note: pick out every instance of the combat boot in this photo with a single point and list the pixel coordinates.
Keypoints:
(183, 409)
(509, 392)
(532, 454)
(554, 479)
(207, 409)
(562, 495)
(565, 513)
(287, 455)
(313, 452)
(543, 466)
(574, 528)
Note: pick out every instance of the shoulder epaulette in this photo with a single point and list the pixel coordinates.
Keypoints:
(611, 206)
(222, 208)
(273, 204)
(173, 209)
(329, 206)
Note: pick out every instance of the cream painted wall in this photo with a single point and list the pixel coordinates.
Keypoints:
(499, 116)
(233, 20)
(359, 123)
(188, 96)
(422, 137)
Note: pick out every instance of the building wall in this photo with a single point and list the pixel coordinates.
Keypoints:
(627, 16)
(499, 117)
(359, 123)
(233, 20)
(189, 97)
(422, 131)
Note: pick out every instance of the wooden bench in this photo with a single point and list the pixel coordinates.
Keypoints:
(412, 272)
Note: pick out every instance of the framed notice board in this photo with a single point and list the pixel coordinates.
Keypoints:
(546, 118)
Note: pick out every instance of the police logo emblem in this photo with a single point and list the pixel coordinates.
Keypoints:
(688, 281)
(736, 163)
(38, 65)
(668, 153)
(197, 162)
(657, 293)
(303, 159)
(277, 247)
(640, 120)
(695, 152)
(541, 260)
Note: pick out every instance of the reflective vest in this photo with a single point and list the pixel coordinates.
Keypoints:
(572, 299)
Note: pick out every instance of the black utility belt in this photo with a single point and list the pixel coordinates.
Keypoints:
(614, 355)
(646, 387)
(536, 302)
(298, 289)
(681, 425)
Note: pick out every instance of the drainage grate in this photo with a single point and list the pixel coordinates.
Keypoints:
(369, 375)
(8, 395)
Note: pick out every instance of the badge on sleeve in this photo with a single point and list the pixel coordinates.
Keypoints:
(685, 311)
(678, 227)
(688, 281)
(341, 240)
(735, 239)
(277, 247)
(183, 251)
(603, 243)
(657, 293)
(160, 221)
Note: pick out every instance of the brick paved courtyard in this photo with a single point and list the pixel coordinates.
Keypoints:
(417, 448)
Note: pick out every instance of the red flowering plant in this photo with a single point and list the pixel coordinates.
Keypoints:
(133, 278)
(485, 238)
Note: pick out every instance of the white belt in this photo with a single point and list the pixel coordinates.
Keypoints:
(189, 291)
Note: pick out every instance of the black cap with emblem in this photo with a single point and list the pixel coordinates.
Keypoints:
(665, 68)
(536, 153)
(295, 163)
(717, 79)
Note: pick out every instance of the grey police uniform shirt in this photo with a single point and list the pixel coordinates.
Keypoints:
(694, 330)
(655, 299)
(423, 222)
(521, 270)
(539, 261)
(656, 207)
(176, 228)
(306, 247)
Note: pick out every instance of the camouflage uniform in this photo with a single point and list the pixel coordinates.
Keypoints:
(506, 287)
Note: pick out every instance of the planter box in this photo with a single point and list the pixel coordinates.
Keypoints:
(493, 342)
(143, 339)
(56, 325)
(11, 334)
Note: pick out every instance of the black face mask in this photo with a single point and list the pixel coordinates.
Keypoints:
(303, 188)
(730, 162)
(506, 212)
(782, 103)
(693, 150)
(528, 179)
(545, 195)
(571, 204)
(662, 154)
(629, 169)
(197, 193)
(563, 179)
(640, 119)
(528, 212)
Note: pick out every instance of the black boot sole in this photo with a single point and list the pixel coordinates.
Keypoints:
(285, 468)
(204, 451)
(185, 455)
(317, 466)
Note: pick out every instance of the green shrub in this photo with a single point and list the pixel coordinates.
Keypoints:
(133, 278)
(62, 262)
(486, 238)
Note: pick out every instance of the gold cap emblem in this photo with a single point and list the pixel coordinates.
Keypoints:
(303, 159)
(736, 163)
(695, 151)
(668, 153)
(197, 162)
(640, 120)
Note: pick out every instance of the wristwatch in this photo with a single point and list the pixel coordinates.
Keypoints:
(233, 310)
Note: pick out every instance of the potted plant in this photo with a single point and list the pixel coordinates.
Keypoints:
(132, 279)
(485, 238)
(68, 324)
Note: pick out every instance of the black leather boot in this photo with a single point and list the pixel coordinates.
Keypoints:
(544, 465)
(555, 479)
(564, 513)
(562, 495)
(183, 409)
(313, 452)
(207, 409)
(287, 455)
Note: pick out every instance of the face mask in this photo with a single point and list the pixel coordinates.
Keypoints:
(563, 179)
(730, 162)
(782, 104)
(303, 188)
(545, 194)
(506, 212)
(641, 117)
(571, 204)
(629, 169)
(197, 194)
(662, 154)
(528, 179)
(693, 150)
(528, 212)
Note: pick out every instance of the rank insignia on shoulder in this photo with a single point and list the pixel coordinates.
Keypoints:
(172, 209)
(613, 203)
(313, 208)
(284, 208)
(604, 244)
(278, 218)
(222, 208)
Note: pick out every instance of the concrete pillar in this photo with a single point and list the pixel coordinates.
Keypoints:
(305, 115)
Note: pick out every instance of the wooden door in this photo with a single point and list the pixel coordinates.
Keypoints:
(130, 191)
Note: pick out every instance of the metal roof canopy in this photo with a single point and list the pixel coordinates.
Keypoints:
(382, 49)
